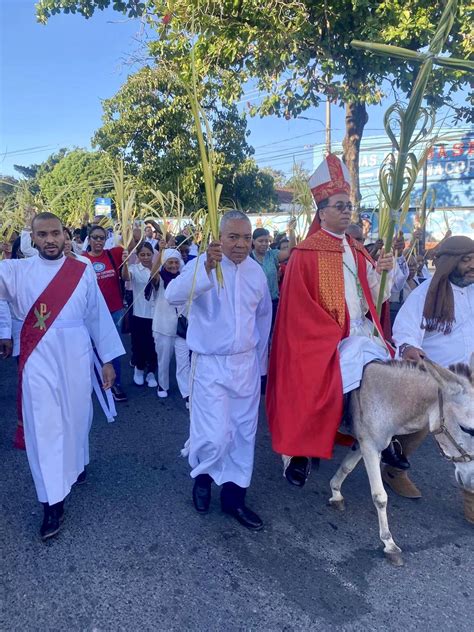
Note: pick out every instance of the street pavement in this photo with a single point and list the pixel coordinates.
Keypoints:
(134, 555)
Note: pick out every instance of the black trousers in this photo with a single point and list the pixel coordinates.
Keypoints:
(143, 345)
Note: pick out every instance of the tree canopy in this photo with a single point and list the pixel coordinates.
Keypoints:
(298, 51)
(148, 124)
(70, 187)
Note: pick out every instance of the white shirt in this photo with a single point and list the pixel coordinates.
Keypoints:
(225, 320)
(139, 278)
(445, 349)
(165, 316)
(5, 321)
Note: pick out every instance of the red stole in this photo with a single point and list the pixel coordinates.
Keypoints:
(44, 312)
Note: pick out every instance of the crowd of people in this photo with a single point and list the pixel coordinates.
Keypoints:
(244, 304)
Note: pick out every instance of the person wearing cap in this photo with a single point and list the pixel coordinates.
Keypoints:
(270, 259)
(437, 322)
(322, 338)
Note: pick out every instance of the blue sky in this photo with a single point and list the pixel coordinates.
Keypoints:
(54, 77)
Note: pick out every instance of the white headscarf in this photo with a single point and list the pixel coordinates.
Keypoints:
(172, 253)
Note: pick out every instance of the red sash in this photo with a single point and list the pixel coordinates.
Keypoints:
(44, 312)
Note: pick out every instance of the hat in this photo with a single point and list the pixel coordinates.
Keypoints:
(331, 177)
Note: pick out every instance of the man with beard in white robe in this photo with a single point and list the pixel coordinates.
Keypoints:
(228, 335)
(437, 321)
(56, 378)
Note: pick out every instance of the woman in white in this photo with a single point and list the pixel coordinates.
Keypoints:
(142, 339)
(165, 327)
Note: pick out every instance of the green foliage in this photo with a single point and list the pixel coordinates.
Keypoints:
(279, 176)
(252, 188)
(33, 173)
(8, 187)
(71, 186)
(149, 124)
(296, 49)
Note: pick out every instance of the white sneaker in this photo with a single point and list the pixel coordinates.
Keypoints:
(139, 377)
(161, 393)
(151, 380)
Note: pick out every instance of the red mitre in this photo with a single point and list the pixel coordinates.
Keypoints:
(331, 177)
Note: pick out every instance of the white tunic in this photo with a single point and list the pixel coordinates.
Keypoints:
(228, 334)
(5, 321)
(445, 349)
(57, 383)
(361, 347)
(228, 320)
(165, 316)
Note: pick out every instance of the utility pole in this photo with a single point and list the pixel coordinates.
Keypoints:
(424, 186)
(328, 127)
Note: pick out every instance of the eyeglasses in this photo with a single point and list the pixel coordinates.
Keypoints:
(340, 207)
(98, 237)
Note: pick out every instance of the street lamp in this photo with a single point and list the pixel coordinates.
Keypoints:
(327, 125)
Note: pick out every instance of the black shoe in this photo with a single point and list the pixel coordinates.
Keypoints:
(393, 456)
(118, 393)
(53, 517)
(298, 470)
(245, 516)
(81, 479)
(202, 493)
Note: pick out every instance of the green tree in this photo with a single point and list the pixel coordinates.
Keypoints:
(71, 186)
(149, 125)
(8, 186)
(32, 173)
(298, 51)
(253, 189)
(279, 176)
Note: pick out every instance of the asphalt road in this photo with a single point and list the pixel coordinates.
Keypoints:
(134, 555)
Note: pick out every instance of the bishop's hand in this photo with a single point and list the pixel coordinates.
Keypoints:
(413, 354)
(384, 262)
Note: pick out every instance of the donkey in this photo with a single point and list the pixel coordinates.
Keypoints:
(398, 398)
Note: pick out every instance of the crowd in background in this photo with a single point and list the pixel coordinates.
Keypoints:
(133, 278)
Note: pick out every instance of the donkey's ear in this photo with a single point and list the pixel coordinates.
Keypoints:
(446, 379)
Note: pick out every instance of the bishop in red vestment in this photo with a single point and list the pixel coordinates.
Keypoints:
(322, 338)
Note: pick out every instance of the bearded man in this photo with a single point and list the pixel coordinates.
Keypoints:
(60, 307)
(437, 321)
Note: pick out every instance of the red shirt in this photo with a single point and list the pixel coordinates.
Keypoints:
(107, 277)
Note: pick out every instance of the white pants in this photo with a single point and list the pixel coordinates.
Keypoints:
(225, 396)
(164, 346)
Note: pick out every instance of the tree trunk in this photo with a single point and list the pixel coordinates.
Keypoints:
(356, 119)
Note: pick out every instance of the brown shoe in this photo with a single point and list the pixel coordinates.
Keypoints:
(399, 482)
(468, 505)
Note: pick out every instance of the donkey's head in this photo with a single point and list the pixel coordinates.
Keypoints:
(456, 407)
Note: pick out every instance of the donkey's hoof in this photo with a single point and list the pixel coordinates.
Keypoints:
(340, 505)
(395, 558)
